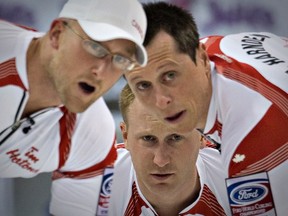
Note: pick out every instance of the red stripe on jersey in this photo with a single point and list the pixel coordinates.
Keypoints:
(248, 76)
(9, 74)
(269, 162)
(271, 92)
(92, 171)
(262, 150)
(67, 123)
(120, 145)
(135, 203)
(217, 127)
(20, 25)
(207, 205)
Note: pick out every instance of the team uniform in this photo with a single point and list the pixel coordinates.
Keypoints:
(248, 118)
(127, 199)
(77, 148)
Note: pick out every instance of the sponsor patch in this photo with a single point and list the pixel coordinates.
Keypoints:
(250, 195)
(105, 191)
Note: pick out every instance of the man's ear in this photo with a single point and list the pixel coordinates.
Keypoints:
(124, 132)
(56, 28)
(204, 58)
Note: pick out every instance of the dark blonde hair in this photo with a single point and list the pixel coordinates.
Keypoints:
(126, 99)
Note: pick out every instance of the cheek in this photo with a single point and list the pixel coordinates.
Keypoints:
(139, 155)
(140, 160)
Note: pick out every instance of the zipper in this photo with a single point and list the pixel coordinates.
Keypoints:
(14, 127)
(17, 124)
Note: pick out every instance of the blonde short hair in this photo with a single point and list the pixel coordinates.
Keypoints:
(126, 99)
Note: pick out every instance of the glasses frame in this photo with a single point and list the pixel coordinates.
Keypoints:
(130, 63)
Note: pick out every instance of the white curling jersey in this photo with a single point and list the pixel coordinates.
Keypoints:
(248, 117)
(127, 199)
(75, 147)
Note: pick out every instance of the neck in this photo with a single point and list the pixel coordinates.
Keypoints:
(41, 91)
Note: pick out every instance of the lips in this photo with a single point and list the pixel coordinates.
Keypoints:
(161, 176)
(88, 89)
(174, 117)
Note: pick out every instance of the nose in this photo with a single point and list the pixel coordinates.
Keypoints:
(162, 97)
(102, 67)
(161, 156)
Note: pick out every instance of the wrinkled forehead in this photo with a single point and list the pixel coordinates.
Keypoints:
(140, 117)
(157, 59)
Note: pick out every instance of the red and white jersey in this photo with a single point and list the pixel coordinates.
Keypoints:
(248, 116)
(75, 147)
(127, 199)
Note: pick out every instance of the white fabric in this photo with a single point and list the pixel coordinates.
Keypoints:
(254, 82)
(26, 155)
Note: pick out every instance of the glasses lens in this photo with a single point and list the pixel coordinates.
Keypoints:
(122, 62)
(95, 48)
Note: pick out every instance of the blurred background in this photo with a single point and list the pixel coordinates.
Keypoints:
(30, 197)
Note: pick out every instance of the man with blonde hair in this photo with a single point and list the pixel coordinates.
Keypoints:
(160, 171)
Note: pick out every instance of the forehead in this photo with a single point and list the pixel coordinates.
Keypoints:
(141, 119)
(162, 50)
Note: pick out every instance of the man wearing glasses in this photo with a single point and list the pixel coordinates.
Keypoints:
(53, 117)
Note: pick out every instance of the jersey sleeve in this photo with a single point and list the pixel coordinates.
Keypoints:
(76, 185)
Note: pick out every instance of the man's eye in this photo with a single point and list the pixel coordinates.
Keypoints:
(149, 138)
(143, 85)
(169, 75)
(175, 138)
(99, 51)
(119, 59)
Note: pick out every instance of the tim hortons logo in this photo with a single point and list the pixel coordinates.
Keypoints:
(24, 161)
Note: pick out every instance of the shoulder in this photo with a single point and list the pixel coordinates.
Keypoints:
(210, 158)
(123, 180)
(14, 39)
(209, 165)
(9, 29)
(248, 45)
(97, 115)
(94, 127)
(256, 56)
(211, 172)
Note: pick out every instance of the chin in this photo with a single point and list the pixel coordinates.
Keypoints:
(76, 108)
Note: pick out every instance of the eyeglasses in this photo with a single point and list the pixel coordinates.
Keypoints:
(96, 49)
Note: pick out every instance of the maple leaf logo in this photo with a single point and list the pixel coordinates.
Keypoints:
(238, 158)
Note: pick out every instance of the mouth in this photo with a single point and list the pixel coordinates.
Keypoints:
(161, 177)
(175, 117)
(88, 89)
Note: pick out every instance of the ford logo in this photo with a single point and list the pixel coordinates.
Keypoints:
(106, 187)
(248, 194)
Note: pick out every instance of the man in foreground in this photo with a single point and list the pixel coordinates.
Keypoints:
(160, 171)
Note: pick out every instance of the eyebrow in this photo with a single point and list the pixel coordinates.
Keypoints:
(169, 62)
(131, 50)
